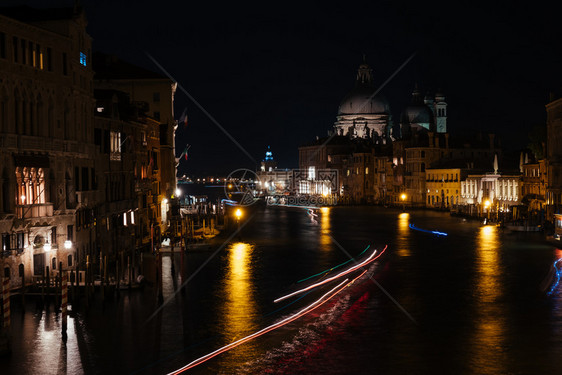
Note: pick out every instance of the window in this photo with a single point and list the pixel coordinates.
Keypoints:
(70, 233)
(54, 235)
(70, 261)
(83, 59)
(3, 45)
(32, 55)
(156, 97)
(23, 52)
(157, 115)
(115, 145)
(366, 170)
(97, 137)
(16, 51)
(30, 185)
(6, 242)
(85, 179)
(49, 60)
(20, 240)
(54, 263)
(39, 56)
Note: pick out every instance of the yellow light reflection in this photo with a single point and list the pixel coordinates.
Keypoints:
(325, 229)
(239, 305)
(490, 321)
(403, 242)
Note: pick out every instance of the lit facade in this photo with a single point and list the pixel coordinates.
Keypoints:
(554, 158)
(48, 177)
(444, 187)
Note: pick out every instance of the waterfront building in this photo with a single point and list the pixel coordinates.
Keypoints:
(533, 185)
(129, 174)
(493, 194)
(444, 186)
(46, 141)
(272, 180)
(554, 157)
(359, 178)
(154, 94)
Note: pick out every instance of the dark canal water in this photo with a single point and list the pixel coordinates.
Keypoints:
(475, 302)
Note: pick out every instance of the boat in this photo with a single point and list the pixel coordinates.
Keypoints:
(523, 226)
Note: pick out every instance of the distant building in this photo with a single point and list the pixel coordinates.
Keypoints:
(273, 180)
(428, 113)
(554, 157)
(362, 114)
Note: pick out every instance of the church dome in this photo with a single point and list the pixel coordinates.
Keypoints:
(361, 100)
(417, 112)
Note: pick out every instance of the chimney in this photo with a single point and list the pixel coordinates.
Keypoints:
(492, 136)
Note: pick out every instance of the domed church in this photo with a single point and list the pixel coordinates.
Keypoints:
(427, 113)
(362, 114)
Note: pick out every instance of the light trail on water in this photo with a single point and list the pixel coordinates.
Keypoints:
(558, 272)
(370, 259)
(412, 226)
(319, 302)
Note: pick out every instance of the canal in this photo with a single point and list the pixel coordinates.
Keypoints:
(474, 301)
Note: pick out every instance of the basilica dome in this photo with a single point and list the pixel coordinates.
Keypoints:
(361, 101)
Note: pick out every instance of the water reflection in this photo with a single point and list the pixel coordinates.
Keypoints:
(490, 320)
(403, 238)
(325, 229)
(240, 304)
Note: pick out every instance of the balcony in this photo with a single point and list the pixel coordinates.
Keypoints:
(34, 210)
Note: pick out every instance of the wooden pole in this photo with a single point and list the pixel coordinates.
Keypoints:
(86, 278)
(159, 274)
(6, 302)
(117, 275)
(64, 301)
(23, 287)
(48, 280)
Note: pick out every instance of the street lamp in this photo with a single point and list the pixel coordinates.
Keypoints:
(403, 198)
(487, 206)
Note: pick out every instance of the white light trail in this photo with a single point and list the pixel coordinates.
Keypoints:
(370, 259)
(319, 302)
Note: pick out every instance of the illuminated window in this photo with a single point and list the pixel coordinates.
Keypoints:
(115, 145)
(366, 170)
(30, 186)
(83, 58)
(311, 173)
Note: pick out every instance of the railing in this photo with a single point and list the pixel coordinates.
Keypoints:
(34, 210)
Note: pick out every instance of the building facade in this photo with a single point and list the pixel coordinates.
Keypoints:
(46, 141)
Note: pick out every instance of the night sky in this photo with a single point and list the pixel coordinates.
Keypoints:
(274, 73)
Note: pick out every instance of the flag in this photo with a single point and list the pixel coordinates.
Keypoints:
(183, 117)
